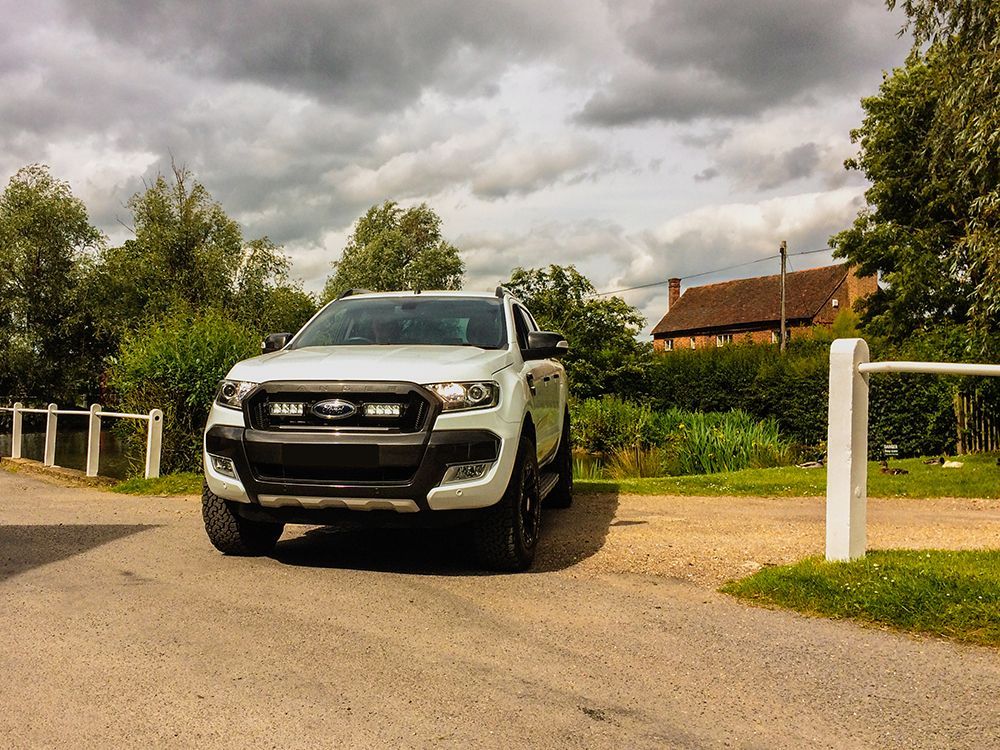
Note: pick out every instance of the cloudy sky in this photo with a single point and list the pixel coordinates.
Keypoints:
(638, 139)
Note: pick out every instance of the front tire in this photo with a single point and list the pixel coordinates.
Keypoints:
(232, 534)
(506, 535)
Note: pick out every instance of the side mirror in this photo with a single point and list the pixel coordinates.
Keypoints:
(274, 342)
(545, 345)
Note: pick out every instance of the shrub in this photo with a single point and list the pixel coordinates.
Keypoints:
(626, 440)
(175, 365)
(708, 443)
(609, 423)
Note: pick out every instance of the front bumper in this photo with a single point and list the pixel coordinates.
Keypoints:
(358, 471)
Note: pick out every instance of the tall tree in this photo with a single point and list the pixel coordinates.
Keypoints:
(909, 232)
(46, 343)
(189, 255)
(392, 249)
(604, 353)
(958, 42)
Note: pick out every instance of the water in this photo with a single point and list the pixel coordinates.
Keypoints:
(71, 445)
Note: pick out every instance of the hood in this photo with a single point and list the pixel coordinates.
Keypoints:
(412, 364)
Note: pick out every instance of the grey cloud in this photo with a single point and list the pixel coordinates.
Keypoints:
(524, 170)
(718, 57)
(359, 53)
(708, 173)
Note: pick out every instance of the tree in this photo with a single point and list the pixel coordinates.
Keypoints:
(184, 254)
(909, 232)
(956, 65)
(265, 299)
(188, 256)
(392, 249)
(604, 353)
(47, 348)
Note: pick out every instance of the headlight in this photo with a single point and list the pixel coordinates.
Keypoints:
(461, 396)
(232, 393)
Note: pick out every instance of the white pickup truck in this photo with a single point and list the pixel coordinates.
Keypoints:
(433, 408)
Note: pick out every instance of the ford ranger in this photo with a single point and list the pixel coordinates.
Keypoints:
(433, 408)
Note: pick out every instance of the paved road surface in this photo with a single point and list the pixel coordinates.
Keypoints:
(122, 627)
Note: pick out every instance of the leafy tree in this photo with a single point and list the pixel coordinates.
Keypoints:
(188, 255)
(604, 353)
(909, 232)
(47, 348)
(392, 249)
(265, 299)
(930, 144)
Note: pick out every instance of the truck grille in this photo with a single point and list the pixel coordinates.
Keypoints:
(415, 406)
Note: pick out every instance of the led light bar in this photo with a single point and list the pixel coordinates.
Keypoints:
(382, 410)
(287, 409)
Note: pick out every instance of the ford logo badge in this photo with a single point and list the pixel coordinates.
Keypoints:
(334, 408)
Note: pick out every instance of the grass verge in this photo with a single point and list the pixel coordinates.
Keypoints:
(979, 477)
(943, 593)
(182, 483)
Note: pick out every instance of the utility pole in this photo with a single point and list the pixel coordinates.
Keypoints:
(784, 258)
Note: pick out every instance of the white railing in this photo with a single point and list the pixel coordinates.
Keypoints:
(154, 435)
(847, 440)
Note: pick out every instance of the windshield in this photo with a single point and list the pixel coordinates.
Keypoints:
(385, 321)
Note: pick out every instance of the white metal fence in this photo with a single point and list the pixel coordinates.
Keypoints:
(154, 434)
(847, 440)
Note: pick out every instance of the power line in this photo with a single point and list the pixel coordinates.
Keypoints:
(706, 273)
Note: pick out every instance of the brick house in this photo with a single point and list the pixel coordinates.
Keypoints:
(750, 309)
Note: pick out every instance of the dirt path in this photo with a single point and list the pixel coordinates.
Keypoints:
(712, 539)
(123, 628)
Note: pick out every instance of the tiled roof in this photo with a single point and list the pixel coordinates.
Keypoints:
(748, 301)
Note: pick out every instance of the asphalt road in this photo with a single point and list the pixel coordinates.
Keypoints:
(122, 627)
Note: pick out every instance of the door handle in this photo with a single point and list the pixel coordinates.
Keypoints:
(531, 383)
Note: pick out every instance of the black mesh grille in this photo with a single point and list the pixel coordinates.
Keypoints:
(415, 409)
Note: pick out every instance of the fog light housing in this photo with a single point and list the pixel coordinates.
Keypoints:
(466, 472)
(223, 465)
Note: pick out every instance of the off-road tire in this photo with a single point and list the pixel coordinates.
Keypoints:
(233, 535)
(561, 496)
(501, 536)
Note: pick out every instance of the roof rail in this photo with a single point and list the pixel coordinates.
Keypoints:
(501, 292)
(352, 292)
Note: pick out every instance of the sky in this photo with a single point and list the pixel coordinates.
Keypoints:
(636, 139)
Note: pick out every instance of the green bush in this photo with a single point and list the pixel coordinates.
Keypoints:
(609, 423)
(176, 365)
(626, 440)
(708, 443)
(916, 412)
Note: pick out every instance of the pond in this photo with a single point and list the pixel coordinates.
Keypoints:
(71, 444)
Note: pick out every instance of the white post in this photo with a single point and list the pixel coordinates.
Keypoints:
(94, 440)
(50, 436)
(154, 441)
(16, 430)
(847, 452)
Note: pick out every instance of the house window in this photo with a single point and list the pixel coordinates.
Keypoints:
(694, 342)
(668, 345)
(774, 337)
(723, 338)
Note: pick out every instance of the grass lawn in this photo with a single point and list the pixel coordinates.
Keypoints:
(944, 593)
(183, 483)
(979, 477)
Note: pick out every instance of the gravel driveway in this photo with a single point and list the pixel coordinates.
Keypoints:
(123, 628)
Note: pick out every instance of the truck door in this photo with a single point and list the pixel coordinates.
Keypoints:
(545, 389)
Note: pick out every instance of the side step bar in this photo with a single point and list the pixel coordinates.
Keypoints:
(547, 481)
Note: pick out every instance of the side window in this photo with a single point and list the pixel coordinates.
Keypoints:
(523, 323)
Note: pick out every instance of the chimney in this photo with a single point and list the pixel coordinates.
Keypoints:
(675, 292)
